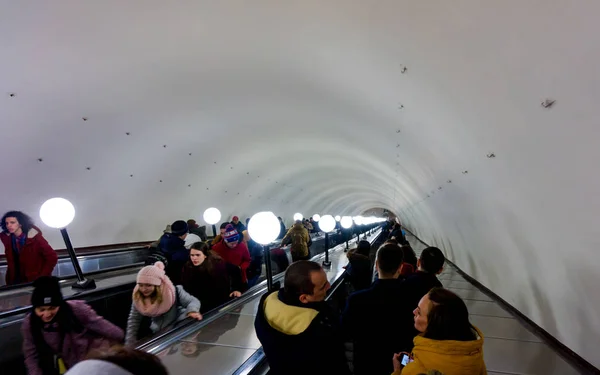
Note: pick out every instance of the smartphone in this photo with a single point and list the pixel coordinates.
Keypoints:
(405, 359)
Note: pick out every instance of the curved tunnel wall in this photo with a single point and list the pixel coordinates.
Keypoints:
(322, 107)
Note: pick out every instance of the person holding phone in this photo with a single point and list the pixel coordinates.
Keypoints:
(447, 342)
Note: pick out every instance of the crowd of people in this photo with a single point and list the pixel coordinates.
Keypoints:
(419, 325)
(403, 322)
(186, 275)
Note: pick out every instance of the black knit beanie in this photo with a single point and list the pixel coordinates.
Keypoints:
(46, 292)
(179, 228)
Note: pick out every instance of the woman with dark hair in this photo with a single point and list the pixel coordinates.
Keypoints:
(57, 333)
(209, 278)
(447, 342)
(28, 254)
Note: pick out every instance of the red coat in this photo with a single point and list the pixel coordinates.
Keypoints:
(37, 258)
(238, 256)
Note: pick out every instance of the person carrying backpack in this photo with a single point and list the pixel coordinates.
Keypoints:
(299, 238)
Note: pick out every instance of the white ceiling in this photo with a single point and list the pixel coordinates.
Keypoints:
(307, 97)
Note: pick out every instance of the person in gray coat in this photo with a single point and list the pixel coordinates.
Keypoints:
(156, 297)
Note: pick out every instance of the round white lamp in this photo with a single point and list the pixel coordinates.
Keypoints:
(338, 218)
(212, 216)
(58, 213)
(298, 216)
(346, 222)
(316, 217)
(358, 220)
(264, 228)
(327, 223)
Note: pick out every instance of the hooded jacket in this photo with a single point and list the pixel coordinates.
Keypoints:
(300, 338)
(36, 258)
(449, 357)
(299, 248)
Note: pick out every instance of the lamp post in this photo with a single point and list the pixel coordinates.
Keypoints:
(358, 220)
(212, 216)
(327, 224)
(264, 228)
(346, 223)
(58, 213)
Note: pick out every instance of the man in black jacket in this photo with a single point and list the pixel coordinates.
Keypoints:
(370, 319)
(429, 265)
(299, 333)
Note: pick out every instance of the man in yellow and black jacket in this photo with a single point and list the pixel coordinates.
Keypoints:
(299, 333)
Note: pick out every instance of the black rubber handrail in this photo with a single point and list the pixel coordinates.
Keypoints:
(66, 280)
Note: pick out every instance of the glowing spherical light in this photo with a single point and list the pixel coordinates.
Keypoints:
(212, 216)
(57, 213)
(358, 220)
(264, 227)
(298, 216)
(338, 218)
(316, 217)
(327, 223)
(346, 222)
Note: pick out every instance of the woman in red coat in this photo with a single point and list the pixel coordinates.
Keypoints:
(28, 254)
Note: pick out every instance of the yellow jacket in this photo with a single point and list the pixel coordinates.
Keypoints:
(447, 356)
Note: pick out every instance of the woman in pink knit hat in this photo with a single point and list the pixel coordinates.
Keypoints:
(156, 297)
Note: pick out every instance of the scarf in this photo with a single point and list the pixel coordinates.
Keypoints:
(156, 309)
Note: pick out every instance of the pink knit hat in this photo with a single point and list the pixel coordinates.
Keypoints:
(153, 275)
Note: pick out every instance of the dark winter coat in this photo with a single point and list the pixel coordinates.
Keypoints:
(174, 247)
(212, 287)
(360, 270)
(300, 339)
(371, 321)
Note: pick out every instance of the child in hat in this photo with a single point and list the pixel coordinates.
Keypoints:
(57, 333)
(156, 297)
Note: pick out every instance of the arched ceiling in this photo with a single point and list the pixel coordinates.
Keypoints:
(321, 106)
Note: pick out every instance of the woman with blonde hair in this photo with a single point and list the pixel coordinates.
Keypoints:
(156, 297)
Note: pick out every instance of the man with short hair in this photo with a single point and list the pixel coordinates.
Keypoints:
(299, 332)
(172, 244)
(429, 265)
(370, 319)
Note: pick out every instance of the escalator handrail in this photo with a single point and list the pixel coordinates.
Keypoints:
(259, 358)
(65, 281)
